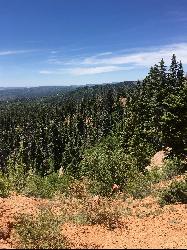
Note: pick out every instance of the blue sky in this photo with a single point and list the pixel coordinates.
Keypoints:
(64, 42)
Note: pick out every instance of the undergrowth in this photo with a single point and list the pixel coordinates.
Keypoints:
(176, 192)
(41, 231)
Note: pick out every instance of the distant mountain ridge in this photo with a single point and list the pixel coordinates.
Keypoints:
(12, 93)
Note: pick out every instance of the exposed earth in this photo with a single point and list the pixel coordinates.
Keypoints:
(146, 226)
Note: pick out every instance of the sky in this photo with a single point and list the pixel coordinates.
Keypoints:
(69, 42)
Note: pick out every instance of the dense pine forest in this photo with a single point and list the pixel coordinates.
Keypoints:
(51, 132)
(103, 132)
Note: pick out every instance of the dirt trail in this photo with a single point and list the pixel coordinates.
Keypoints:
(147, 225)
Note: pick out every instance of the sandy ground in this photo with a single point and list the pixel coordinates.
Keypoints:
(146, 226)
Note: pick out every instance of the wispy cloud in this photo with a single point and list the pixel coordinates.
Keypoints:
(54, 72)
(114, 61)
(103, 54)
(55, 60)
(85, 70)
(54, 52)
(142, 58)
(137, 57)
(46, 72)
(97, 70)
(14, 52)
(78, 59)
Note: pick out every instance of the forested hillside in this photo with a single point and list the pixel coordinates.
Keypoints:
(46, 134)
(89, 155)
(64, 131)
(8, 94)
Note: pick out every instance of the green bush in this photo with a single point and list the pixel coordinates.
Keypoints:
(14, 180)
(155, 176)
(47, 186)
(17, 177)
(32, 184)
(173, 166)
(138, 185)
(176, 192)
(42, 232)
(4, 186)
(106, 164)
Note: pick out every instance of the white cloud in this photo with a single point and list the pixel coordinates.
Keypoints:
(54, 72)
(79, 59)
(143, 58)
(111, 61)
(54, 61)
(84, 70)
(14, 52)
(46, 72)
(54, 52)
(103, 54)
(98, 70)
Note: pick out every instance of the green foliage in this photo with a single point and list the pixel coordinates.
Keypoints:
(90, 132)
(156, 112)
(173, 166)
(42, 232)
(47, 133)
(106, 164)
(155, 176)
(174, 119)
(138, 186)
(17, 177)
(176, 192)
(33, 184)
(4, 186)
(141, 150)
(46, 187)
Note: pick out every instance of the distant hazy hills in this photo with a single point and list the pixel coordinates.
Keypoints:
(32, 92)
(12, 93)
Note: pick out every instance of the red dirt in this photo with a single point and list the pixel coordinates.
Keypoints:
(146, 226)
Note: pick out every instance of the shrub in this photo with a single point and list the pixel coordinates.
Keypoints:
(78, 188)
(138, 185)
(29, 183)
(176, 192)
(106, 164)
(89, 209)
(80, 218)
(47, 186)
(16, 176)
(103, 212)
(14, 180)
(173, 166)
(4, 186)
(154, 176)
(42, 232)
